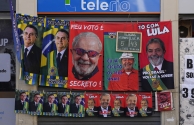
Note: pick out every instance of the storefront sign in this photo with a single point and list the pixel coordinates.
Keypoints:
(98, 6)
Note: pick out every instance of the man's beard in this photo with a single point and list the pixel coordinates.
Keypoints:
(83, 71)
(131, 106)
(104, 104)
(158, 61)
(117, 107)
(91, 107)
(127, 66)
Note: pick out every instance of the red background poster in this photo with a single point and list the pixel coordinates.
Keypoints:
(87, 71)
(164, 101)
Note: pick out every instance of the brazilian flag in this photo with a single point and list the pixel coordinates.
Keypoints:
(49, 73)
(23, 21)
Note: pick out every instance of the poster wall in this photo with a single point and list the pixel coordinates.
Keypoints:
(156, 58)
(54, 59)
(86, 60)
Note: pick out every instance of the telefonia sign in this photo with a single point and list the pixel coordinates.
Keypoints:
(99, 6)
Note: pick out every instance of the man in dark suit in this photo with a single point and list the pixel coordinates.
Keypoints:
(57, 60)
(63, 106)
(19, 104)
(158, 75)
(91, 110)
(118, 110)
(34, 104)
(50, 106)
(104, 110)
(131, 110)
(145, 110)
(32, 53)
(74, 108)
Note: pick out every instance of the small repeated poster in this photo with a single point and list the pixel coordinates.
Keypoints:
(104, 110)
(145, 104)
(30, 30)
(54, 59)
(64, 103)
(118, 104)
(50, 105)
(131, 109)
(86, 56)
(77, 106)
(21, 101)
(91, 104)
(163, 101)
(36, 103)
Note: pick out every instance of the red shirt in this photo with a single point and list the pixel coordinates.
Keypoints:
(121, 81)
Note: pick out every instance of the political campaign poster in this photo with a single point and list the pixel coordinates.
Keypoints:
(50, 105)
(63, 103)
(77, 105)
(118, 105)
(21, 101)
(86, 56)
(144, 104)
(36, 103)
(7, 46)
(91, 104)
(120, 68)
(163, 101)
(54, 58)
(156, 59)
(186, 104)
(105, 110)
(30, 30)
(131, 106)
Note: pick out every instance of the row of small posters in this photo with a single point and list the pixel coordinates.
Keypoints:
(91, 104)
(84, 46)
(186, 47)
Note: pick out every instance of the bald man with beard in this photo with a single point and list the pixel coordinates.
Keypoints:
(127, 78)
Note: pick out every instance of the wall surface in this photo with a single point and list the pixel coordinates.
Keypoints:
(169, 11)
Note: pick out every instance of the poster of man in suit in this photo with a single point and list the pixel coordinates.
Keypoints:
(118, 104)
(77, 106)
(21, 101)
(156, 59)
(36, 103)
(104, 110)
(64, 104)
(91, 104)
(50, 104)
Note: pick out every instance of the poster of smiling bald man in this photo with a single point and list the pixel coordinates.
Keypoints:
(156, 59)
(85, 62)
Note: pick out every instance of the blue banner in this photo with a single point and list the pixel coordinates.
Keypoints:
(17, 44)
(99, 6)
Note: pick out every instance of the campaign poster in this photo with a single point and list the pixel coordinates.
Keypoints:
(144, 104)
(77, 105)
(50, 105)
(91, 104)
(86, 56)
(163, 101)
(156, 59)
(36, 103)
(105, 110)
(186, 47)
(186, 104)
(118, 105)
(120, 68)
(7, 46)
(131, 106)
(30, 30)
(22, 101)
(63, 103)
(54, 58)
